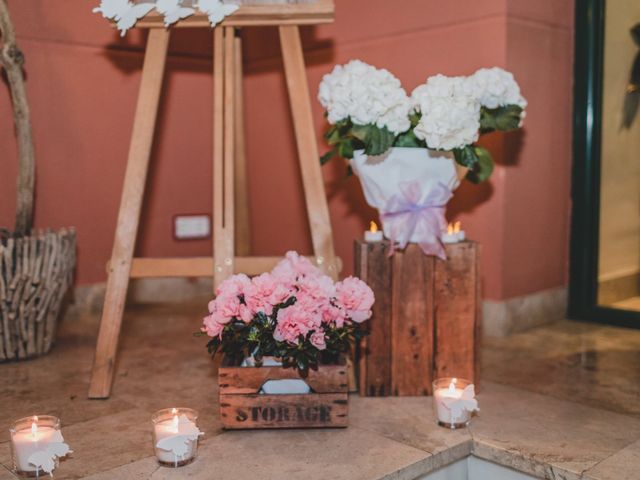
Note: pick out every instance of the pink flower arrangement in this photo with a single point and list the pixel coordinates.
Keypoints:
(294, 312)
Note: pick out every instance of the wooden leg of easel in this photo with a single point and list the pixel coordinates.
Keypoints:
(316, 200)
(223, 154)
(243, 229)
(129, 213)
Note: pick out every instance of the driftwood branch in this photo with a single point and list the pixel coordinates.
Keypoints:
(12, 59)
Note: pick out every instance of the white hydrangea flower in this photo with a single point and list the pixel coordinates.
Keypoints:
(495, 87)
(450, 116)
(365, 94)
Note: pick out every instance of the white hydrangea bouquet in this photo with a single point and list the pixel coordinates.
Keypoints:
(410, 152)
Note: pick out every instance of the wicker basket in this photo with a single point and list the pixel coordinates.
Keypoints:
(35, 274)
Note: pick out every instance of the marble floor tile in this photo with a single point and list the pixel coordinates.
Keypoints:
(337, 454)
(592, 364)
(624, 464)
(411, 421)
(545, 436)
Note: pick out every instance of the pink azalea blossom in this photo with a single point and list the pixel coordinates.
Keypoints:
(332, 315)
(317, 339)
(211, 327)
(294, 266)
(355, 298)
(265, 292)
(234, 285)
(293, 322)
(315, 293)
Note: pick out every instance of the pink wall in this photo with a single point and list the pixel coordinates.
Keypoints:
(83, 79)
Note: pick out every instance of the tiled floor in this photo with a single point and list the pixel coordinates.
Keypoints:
(161, 364)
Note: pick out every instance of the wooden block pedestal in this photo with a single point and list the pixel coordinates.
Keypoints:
(426, 318)
(243, 407)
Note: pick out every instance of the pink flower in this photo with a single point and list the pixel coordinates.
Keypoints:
(332, 315)
(234, 285)
(294, 321)
(211, 327)
(317, 340)
(294, 266)
(265, 292)
(227, 307)
(315, 293)
(355, 298)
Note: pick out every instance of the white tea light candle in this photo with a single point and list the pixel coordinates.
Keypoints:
(373, 234)
(175, 436)
(454, 234)
(454, 401)
(36, 445)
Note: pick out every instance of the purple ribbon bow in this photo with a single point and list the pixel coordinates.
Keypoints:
(407, 215)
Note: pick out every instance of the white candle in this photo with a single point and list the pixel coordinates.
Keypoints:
(27, 441)
(175, 436)
(454, 234)
(373, 234)
(454, 401)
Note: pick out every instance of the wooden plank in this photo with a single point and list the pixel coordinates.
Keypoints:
(412, 326)
(310, 168)
(320, 11)
(373, 266)
(249, 380)
(284, 411)
(457, 303)
(241, 189)
(200, 266)
(129, 213)
(224, 143)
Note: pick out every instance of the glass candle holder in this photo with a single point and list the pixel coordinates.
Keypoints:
(175, 436)
(453, 402)
(30, 435)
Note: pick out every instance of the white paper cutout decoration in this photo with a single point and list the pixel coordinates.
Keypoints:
(45, 459)
(173, 11)
(180, 443)
(216, 10)
(126, 13)
(466, 403)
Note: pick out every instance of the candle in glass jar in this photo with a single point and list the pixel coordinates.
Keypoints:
(454, 402)
(37, 444)
(176, 436)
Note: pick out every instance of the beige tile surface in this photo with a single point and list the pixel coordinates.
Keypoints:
(544, 436)
(160, 364)
(624, 464)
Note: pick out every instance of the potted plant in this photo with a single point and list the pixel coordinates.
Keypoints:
(36, 269)
(283, 335)
(410, 152)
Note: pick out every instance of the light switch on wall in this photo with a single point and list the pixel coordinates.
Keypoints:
(190, 227)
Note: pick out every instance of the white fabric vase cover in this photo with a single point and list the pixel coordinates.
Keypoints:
(410, 187)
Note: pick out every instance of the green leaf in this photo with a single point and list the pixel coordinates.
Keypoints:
(483, 168)
(502, 118)
(345, 149)
(409, 140)
(466, 156)
(376, 140)
(329, 155)
(332, 135)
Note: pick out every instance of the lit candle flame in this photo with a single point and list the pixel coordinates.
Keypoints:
(456, 227)
(452, 385)
(175, 422)
(34, 427)
(450, 229)
(373, 227)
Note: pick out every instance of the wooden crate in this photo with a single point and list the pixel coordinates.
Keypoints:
(242, 407)
(426, 318)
